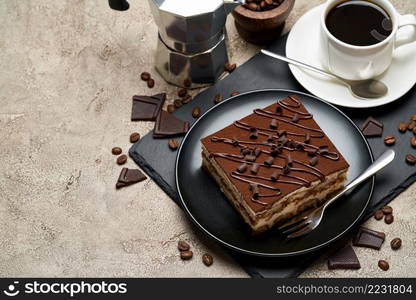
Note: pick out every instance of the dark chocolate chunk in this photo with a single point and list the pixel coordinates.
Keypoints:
(250, 158)
(253, 133)
(372, 128)
(269, 161)
(129, 176)
(242, 168)
(245, 151)
(344, 259)
(147, 108)
(273, 124)
(279, 109)
(254, 188)
(168, 125)
(314, 161)
(369, 238)
(289, 160)
(254, 169)
(275, 176)
(270, 139)
(257, 152)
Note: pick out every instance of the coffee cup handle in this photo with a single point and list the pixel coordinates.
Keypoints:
(404, 21)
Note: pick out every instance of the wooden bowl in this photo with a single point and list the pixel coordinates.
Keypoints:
(262, 27)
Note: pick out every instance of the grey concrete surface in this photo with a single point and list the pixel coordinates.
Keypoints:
(68, 71)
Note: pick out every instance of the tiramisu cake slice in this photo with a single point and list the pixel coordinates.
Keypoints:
(274, 163)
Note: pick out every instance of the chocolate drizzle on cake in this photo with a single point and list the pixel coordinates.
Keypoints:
(284, 168)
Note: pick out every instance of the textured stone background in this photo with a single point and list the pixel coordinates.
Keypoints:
(68, 71)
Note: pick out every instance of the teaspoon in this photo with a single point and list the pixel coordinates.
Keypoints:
(369, 89)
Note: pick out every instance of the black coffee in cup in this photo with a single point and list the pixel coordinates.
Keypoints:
(359, 22)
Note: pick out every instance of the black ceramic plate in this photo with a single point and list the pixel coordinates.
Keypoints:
(209, 208)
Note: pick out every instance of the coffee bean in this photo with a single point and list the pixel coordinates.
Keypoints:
(145, 76)
(396, 243)
(150, 83)
(235, 93)
(388, 219)
(183, 246)
(403, 126)
(177, 103)
(122, 159)
(413, 142)
(171, 108)
(387, 210)
(196, 112)
(414, 130)
(182, 92)
(414, 117)
(378, 215)
(411, 159)
(186, 99)
(252, 6)
(389, 140)
(230, 67)
(173, 144)
(218, 98)
(187, 82)
(116, 150)
(384, 265)
(134, 137)
(186, 255)
(207, 259)
(411, 125)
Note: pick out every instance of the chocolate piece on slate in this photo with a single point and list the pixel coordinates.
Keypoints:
(372, 128)
(369, 238)
(168, 125)
(344, 259)
(129, 176)
(147, 108)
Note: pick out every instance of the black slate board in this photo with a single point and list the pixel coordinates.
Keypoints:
(262, 72)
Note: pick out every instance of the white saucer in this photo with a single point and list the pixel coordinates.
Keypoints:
(303, 45)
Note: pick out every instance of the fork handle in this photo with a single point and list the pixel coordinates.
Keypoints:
(386, 158)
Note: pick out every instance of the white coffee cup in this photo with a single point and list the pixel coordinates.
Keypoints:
(362, 62)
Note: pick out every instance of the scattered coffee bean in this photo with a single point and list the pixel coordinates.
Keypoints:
(218, 98)
(196, 112)
(396, 243)
(183, 246)
(414, 130)
(235, 93)
(411, 125)
(134, 137)
(403, 126)
(413, 142)
(186, 255)
(150, 83)
(173, 144)
(177, 103)
(411, 159)
(116, 150)
(414, 117)
(229, 67)
(252, 6)
(186, 99)
(182, 92)
(378, 215)
(122, 159)
(207, 259)
(389, 140)
(187, 82)
(171, 108)
(388, 219)
(384, 265)
(387, 210)
(145, 76)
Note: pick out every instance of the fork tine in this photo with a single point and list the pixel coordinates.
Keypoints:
(297, 227)
(292, 222)
(301, 232)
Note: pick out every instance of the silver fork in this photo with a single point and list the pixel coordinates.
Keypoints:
(308, 221)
